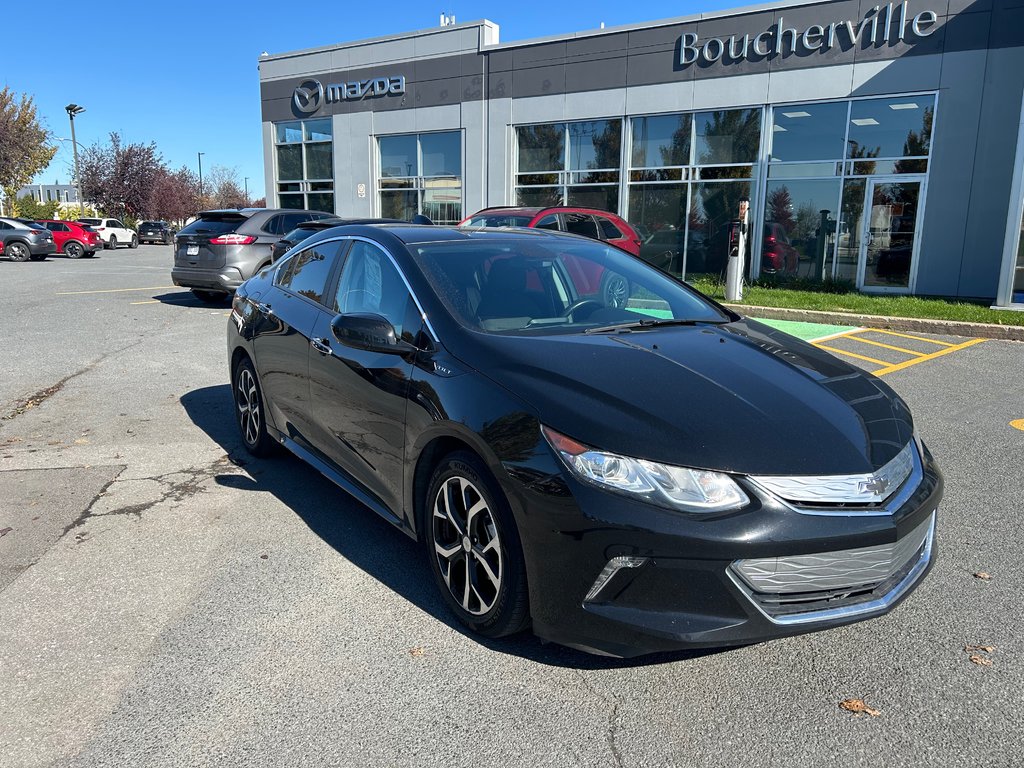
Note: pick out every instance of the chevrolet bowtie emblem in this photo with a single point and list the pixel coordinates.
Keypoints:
(876, 486)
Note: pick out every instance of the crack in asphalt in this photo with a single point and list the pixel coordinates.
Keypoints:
(612, 730)
(174, 490)
(41, 396)
(88, 510)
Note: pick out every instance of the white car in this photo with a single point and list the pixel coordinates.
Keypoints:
(112, 232)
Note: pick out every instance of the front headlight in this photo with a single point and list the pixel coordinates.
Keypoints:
(691, 490)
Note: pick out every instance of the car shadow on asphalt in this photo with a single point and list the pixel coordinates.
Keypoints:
(368, 541)
(185, 298)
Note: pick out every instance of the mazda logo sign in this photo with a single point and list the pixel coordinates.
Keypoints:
(308, 96)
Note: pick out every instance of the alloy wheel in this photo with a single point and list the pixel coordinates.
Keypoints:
(73, 250)
(616, 291)
(247, 399)
(17, 252)
(467, 545)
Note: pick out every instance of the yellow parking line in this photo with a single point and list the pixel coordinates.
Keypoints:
(888, 346)
(915, 338)
(932, 356)
(151, 301)
(853, 354)
(118, 290)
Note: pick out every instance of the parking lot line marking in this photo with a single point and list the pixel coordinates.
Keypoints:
(150, 301)
(1018, 424)
(118, 290)
(839, 335)
(889, 346)
(853, 354)
(907, 363)
(915, 338)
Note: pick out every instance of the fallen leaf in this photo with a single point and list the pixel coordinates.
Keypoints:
(981, 661)
(5, 531)
(983, 576)
(264, 557)
(418, 651)
(985, 648)
(857, 706)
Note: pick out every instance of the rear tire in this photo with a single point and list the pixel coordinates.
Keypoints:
(73, 250)
(250, 411)
(112, 243)
(474, 548)
(135, 242)
(18, 252)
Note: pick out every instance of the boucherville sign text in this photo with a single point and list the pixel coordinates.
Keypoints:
(882, 25)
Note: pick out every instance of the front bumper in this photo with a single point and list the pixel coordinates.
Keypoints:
(225, 279)
(680, 581)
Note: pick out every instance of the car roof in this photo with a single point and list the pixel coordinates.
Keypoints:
(536, 209)
(418, 234)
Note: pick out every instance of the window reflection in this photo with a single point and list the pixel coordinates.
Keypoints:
(727, 136)
(899, 127)
(661, 140)
(799, 227)
(809, 132)
(427, 168)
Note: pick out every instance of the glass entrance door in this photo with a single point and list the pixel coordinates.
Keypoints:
(889, 233)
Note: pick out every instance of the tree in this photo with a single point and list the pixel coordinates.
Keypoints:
(24, 148)
(223, 189)
(29, 208)
(173, 195)
(780, 208)
(119, 177)
(261, 203)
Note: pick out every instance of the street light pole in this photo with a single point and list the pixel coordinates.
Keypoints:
(72, 110)
(246, 191)
(200, 156)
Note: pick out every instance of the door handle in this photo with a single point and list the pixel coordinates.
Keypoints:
(264, 308)
(322, 346)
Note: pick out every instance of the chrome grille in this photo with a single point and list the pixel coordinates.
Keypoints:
(862, 490)
(842, 569)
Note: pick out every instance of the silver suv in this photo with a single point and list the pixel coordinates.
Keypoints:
(220, 249)
(24, 240)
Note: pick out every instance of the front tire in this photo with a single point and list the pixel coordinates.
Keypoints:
(73, 250)
(250, 413)
(209, 297)
(18, 252)
(474, 548)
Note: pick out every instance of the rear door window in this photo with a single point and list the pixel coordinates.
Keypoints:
(608, 229)
(581, 224)
(548, 222)
(308, 272)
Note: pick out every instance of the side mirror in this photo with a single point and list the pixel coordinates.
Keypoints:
(371, 332)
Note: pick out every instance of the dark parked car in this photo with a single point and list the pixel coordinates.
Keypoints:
(155, 232)
(73, 239)
(625, 479)
(310, 228)
(220, 249)
(25, 240)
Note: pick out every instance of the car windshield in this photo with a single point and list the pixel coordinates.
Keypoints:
(555, 286)
(299, 234)
(498, 220)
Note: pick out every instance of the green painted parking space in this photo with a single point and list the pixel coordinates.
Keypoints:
(807, 331)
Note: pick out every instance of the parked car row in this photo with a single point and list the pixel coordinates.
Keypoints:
(34, 240)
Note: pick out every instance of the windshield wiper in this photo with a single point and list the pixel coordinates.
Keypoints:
(649, 322)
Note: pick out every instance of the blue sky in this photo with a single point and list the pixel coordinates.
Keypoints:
(184, 75)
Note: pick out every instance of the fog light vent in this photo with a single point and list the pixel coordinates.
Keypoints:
(612, 567)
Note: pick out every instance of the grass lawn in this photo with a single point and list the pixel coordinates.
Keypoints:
(886, 306)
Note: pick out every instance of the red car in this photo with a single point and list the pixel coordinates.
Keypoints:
(72, 239)
(778, 256)
(612, 288)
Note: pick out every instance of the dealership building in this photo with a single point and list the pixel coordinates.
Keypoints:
(880, 145)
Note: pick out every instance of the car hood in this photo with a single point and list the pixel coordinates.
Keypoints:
(740, 397)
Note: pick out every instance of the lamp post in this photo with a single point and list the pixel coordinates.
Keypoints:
(246, 191)
(72, 110)
(200, 156)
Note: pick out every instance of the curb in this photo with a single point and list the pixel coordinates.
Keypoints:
(920, 325)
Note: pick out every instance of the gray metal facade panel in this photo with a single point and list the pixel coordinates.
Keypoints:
(611, 73)
(539, 81)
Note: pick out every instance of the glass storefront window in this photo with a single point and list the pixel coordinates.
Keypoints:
(661, 140)
(421, 174)
(809, 132)
(799, 227)
(658, 213)
(1017, 297)
(305, 164)
(727, 136)
(569, 164)
(849, 232)
(713, 207)
(897, 127)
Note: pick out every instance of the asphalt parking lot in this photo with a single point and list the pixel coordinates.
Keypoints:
(166, 600)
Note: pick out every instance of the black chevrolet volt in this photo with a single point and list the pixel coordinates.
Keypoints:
(648, 474)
